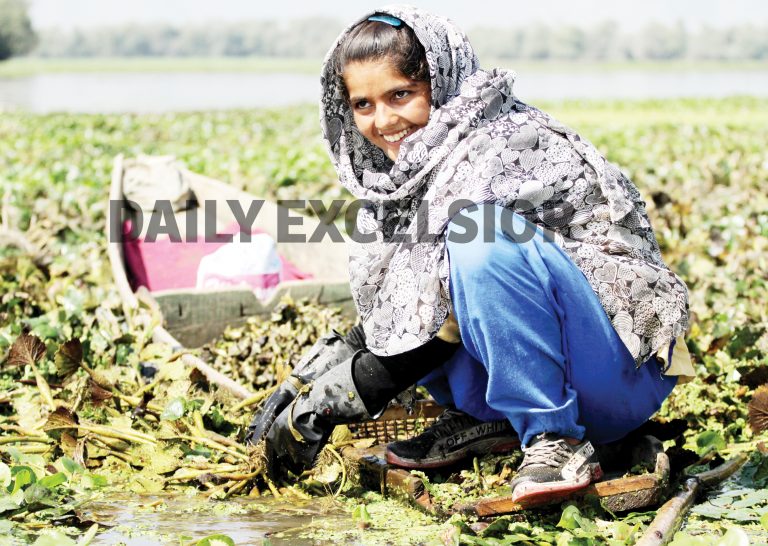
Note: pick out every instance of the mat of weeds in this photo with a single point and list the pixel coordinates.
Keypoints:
(91, 410)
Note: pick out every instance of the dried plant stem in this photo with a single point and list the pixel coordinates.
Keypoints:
(42, 385)
(26, 439)
(236, 488)
(335, 453)
(35, 448)
(239, 476)
(136, 401)
(215, 445)
(271, 486)
(103, 430)
(255, 399)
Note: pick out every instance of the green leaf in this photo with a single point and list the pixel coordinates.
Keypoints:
(764, 521)
(174, 410)
(11, 502)
(39, 494)
(216, 540)
(684, 539)
(751, 499)
(743, 514)
(53, 480)
(709, 510)
(754, 473)
(94, 481)
(360, 513)
(23, 476)
(708, 441)
(71, 466)
(569, 518)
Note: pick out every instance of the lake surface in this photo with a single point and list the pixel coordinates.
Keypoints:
(179, 92)
(149, 520)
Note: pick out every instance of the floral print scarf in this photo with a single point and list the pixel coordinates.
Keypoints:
(483, 145)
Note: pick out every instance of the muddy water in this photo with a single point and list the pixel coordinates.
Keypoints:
(153, 519)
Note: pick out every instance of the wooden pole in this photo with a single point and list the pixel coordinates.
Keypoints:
(670, 516)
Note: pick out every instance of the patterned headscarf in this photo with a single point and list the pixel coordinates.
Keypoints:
(483, 145)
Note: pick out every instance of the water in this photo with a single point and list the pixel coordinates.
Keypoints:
(155, 92)
(180, 92)
(148, 520)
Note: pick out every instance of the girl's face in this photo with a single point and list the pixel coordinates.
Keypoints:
(387, 105)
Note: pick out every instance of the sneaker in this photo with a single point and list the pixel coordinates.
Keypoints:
(552, 469)
(451, 438)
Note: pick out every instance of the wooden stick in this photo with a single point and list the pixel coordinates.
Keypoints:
(670, 516)
(217, 378)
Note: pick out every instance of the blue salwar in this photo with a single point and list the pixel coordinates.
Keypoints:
(537, 347)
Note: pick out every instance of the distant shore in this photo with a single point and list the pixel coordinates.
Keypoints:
(27, 66)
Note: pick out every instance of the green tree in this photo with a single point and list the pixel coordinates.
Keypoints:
(17, 36)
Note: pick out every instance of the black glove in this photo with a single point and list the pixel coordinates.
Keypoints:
(301, 430)
(352, 391)
(327, 352)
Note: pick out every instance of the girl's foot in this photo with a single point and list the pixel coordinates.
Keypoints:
(553, 468)
(453, 437)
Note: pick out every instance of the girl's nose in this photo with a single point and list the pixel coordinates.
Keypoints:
(385, 117)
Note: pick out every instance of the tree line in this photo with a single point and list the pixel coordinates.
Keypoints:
(310, 38)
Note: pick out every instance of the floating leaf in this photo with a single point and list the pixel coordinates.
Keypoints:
(53, 480)
(22, 477)
(71, 466)
(54, 538)
(39, 494)
(754, 473)
(216, 540)
(708, 441)
(708, 510)
(68, 357)
(11, 502)
(26, 350)
(360, 513)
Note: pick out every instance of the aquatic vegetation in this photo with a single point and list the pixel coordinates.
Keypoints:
(88, 403)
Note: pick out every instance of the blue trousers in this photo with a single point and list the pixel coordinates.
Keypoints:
(537, 346)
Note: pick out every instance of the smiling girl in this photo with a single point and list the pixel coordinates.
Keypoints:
(542, 310)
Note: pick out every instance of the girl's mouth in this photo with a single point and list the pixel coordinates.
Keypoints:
(392, 139)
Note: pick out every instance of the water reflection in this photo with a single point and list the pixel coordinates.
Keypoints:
(146, 520)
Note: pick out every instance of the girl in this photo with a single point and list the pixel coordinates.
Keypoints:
(513, 270)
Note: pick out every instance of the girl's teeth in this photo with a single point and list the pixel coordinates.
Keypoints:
(396, 136)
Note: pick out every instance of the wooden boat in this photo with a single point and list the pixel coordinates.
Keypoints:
(192, 317)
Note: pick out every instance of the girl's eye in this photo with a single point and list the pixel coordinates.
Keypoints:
(361, 104)
(402, 94)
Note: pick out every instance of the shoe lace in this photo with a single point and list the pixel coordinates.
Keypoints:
(449, 422)
(553, 453)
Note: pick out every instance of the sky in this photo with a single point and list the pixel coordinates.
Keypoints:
(631, 14)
